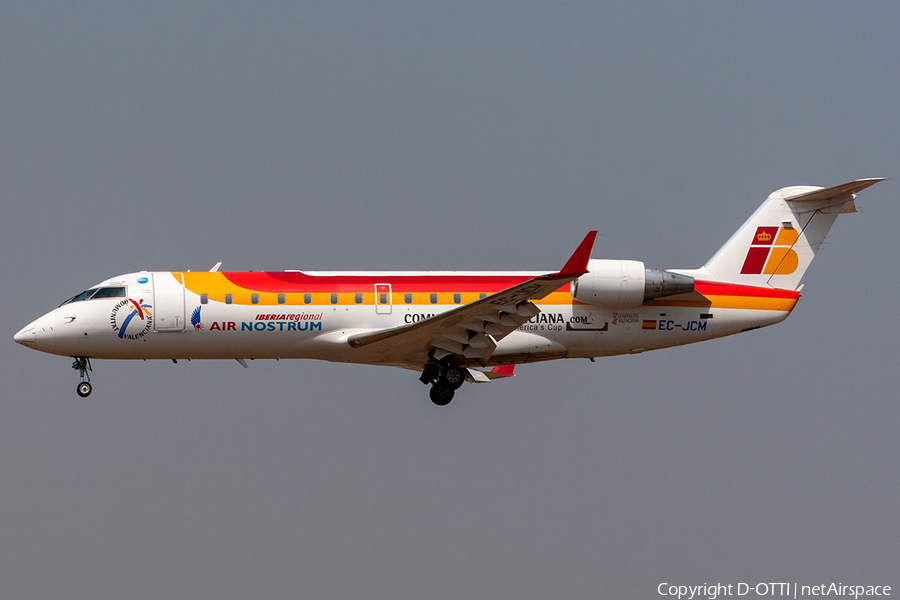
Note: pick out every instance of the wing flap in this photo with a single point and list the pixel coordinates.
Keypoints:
(477, 353)
(479, 340)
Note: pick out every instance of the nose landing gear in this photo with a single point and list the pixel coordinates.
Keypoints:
(82, 364)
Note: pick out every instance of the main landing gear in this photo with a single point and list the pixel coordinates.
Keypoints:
(444, 379)
(82, 364)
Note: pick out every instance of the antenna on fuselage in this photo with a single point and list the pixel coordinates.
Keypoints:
(215, 268)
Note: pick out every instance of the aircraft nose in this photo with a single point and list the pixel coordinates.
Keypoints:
(27, 336)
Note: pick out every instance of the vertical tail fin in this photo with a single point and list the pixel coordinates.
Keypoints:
(778, 242)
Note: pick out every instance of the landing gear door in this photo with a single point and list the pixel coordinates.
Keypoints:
(168, 302)
(383, 298)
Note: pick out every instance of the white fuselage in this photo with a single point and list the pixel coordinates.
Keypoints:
(165, 315)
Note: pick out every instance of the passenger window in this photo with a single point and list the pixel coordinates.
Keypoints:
(204, 298)
(482, 295)
(307, 298)
(227, 298)
(407, 297)
(334, 299)
(281, 299)
(433, 298)
(457, 298)
(382, 298)
(254, 298)
(358, 298)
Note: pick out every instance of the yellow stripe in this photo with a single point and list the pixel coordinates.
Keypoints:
(215, 285)
(754, 303)
(742, 302)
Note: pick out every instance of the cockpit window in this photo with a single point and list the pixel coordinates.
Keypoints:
(94, 293)
(109, 292)
(82, 296)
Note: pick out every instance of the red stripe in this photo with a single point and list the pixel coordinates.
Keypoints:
(283, 282)
(293, 282)
(713, 288)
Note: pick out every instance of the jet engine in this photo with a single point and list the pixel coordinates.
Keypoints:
(626, 283)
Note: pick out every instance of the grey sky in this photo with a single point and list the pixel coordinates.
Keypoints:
(442, 136)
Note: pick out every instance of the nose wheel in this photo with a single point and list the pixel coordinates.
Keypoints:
(82, 364)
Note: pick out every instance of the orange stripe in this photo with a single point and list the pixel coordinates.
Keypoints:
(742, 302)
(716, 295)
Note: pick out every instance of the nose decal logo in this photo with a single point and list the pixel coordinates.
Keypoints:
(195, 319)
(131, 319)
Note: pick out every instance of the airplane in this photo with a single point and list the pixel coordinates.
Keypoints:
(452, 327)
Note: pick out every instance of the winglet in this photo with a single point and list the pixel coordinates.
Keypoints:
(578, 262)
(498, 372)
(505, 370)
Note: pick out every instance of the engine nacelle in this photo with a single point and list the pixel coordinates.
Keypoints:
(626, 283)
(611, 283)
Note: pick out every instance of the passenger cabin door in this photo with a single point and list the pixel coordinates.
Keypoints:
(168, 302)
(383, 298)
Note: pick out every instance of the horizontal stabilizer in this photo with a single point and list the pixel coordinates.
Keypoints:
(831, 196)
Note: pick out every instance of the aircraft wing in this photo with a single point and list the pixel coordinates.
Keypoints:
(471, 331)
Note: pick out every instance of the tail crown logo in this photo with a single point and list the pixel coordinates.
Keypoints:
(763, 236)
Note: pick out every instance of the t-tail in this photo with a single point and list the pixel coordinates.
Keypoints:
(778, 242)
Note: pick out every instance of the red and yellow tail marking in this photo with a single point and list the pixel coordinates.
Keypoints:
(770, 252)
